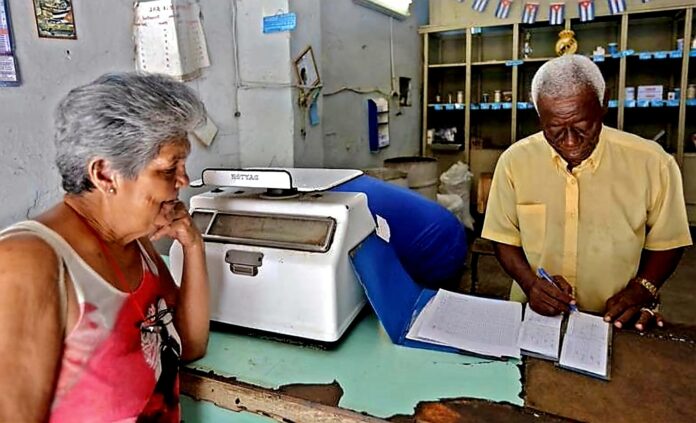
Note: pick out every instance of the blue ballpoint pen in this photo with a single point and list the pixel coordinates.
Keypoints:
(542, 274)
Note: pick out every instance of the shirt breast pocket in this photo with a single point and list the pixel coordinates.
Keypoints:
(532, 221)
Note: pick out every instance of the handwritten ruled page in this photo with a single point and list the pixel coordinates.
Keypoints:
(478, 325)
(540, 336)
(586, 344)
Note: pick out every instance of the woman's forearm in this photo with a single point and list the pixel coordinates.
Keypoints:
(192, 314)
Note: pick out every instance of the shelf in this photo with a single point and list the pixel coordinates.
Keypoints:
(601, 58)
(643, 53)
(447, 65)
(440, 146)
(537, 59)
(654, 104)
(447, 106)
(657, 55)
(492, 106)
(490, 63)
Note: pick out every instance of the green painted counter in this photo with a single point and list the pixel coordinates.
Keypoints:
(193, 411)
(376, 376)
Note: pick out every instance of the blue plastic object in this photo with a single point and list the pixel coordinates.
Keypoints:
(428, 239)
(394, 296)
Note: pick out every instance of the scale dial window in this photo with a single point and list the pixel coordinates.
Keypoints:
(304, 233)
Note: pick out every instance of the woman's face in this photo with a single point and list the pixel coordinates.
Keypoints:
(148, 199)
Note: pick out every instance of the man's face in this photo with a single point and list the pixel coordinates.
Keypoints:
(572, 124)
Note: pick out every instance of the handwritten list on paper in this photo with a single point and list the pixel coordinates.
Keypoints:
(169, 38)
(540, 336)
(586, 344)
(478, 325)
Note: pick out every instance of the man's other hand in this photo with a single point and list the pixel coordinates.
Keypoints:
(633, 303)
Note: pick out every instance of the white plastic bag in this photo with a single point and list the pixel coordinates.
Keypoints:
(457, 181)
(453, 203)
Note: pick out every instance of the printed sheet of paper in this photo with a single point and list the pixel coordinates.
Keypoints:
(8, 71)
(478, 325)
(540, 336)
(5, 45)
(169, 38)
(586, 344)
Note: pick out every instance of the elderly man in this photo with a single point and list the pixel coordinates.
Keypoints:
(601, 210)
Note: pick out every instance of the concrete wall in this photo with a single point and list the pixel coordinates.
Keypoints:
(49, 68)
(308, 140)
(351, 45)
(355, 54)
(265, 97)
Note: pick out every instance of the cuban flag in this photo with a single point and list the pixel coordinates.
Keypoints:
(556, 13)
(503, 9)
(529, 13)
(479, 5)
(586, 10)
(617, 6)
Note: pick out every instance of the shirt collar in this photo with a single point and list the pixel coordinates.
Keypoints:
(592, 162)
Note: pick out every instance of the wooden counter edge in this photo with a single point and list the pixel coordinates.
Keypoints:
(235, 396)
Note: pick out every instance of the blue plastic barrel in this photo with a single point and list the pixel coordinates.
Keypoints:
(428, 239)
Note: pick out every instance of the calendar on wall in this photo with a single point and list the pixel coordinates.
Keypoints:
(169, 38)
(9, 76)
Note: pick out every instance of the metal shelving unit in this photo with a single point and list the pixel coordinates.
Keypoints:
(484, 59)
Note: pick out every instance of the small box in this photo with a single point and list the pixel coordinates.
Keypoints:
(650, 92)
(630, 93)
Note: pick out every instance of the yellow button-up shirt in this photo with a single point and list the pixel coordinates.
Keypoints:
(589, 225)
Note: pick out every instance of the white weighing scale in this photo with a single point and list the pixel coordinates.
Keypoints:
(277, 249)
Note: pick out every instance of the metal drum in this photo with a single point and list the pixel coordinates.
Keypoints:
(422, 173)
(393, 176)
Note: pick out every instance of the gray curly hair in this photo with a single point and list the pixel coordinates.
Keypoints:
(567, 75)
(124, 118)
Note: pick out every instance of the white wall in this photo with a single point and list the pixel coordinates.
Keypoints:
(356, 54)
(308, 140)
(350, 42)
(49, 68)
(266, 123)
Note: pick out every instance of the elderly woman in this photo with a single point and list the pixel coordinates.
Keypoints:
(92, 326)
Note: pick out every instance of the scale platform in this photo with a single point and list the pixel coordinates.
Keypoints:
(285, 179)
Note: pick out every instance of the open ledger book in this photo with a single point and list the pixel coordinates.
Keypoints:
(495, 328)
(418, 317)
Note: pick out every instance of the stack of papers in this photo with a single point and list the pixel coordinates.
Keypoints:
(477, 325)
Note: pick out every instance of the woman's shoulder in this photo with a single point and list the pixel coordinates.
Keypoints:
(35, 241)
(27, 257)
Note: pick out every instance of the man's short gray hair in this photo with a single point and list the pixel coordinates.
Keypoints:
(124, 118)
(566, 76)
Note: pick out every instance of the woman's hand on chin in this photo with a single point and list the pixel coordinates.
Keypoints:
(178, 225)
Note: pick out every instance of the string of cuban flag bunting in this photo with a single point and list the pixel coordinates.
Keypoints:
(557, 10)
